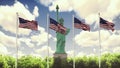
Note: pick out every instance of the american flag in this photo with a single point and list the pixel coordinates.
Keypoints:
(106, 24)
(57, 27)
(28, 24)
(80, 25)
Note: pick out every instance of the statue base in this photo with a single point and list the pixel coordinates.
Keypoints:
(60, 55)
(60, 60)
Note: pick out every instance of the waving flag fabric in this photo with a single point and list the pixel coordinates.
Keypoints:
(28, 24)
(57, 27)
(80, 25)
(106, 25)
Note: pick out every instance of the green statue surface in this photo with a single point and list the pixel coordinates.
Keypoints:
(61, 39)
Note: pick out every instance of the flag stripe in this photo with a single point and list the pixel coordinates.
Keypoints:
(52, 21)
(22, 20)
(102, 21)
(57, 27)
(28, 24)
(77, 20)
(106, 25)
(79, 25)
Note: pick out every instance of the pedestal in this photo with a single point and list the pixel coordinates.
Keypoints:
(61, 55)
(60, 60)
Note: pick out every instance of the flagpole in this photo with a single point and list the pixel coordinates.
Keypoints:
(99, 43)
(48, 40)
(73, 41)
(16, 62)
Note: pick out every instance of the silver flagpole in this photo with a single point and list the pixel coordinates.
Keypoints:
(73, 42)
(48, 40)
(16, 62)
(99, 43)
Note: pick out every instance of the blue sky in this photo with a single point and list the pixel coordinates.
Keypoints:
(35, 42)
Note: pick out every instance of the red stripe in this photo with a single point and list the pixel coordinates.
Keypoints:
(108, 26)
(82, 26)
(59, 28)
(29, 25)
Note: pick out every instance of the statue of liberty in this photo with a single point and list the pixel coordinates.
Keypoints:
(60, 45)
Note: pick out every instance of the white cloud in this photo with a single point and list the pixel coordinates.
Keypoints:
(8, 17)
(112, 41)
(86, 8)
(36, 55)
(87, 39)
(64, 5)
(23, 31)
(94, 50)
(70, 53)
(90, 55)
(24, 13)
(92, 18)
(8, 40)
(8, 22)
(118, 31)
(77, 6)
(55, 39)
(116, 49)
(112, 9)
(42, 37)
(43, 51)
(80, 54)
(20, 54)
(105, 52)
(27, 41)
(35, 11)
(3, 49)
(46, 2)
(11, 41)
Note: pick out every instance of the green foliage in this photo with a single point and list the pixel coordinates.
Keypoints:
(30, 62)
(111, 60)
(7, 62)
(107, 61)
